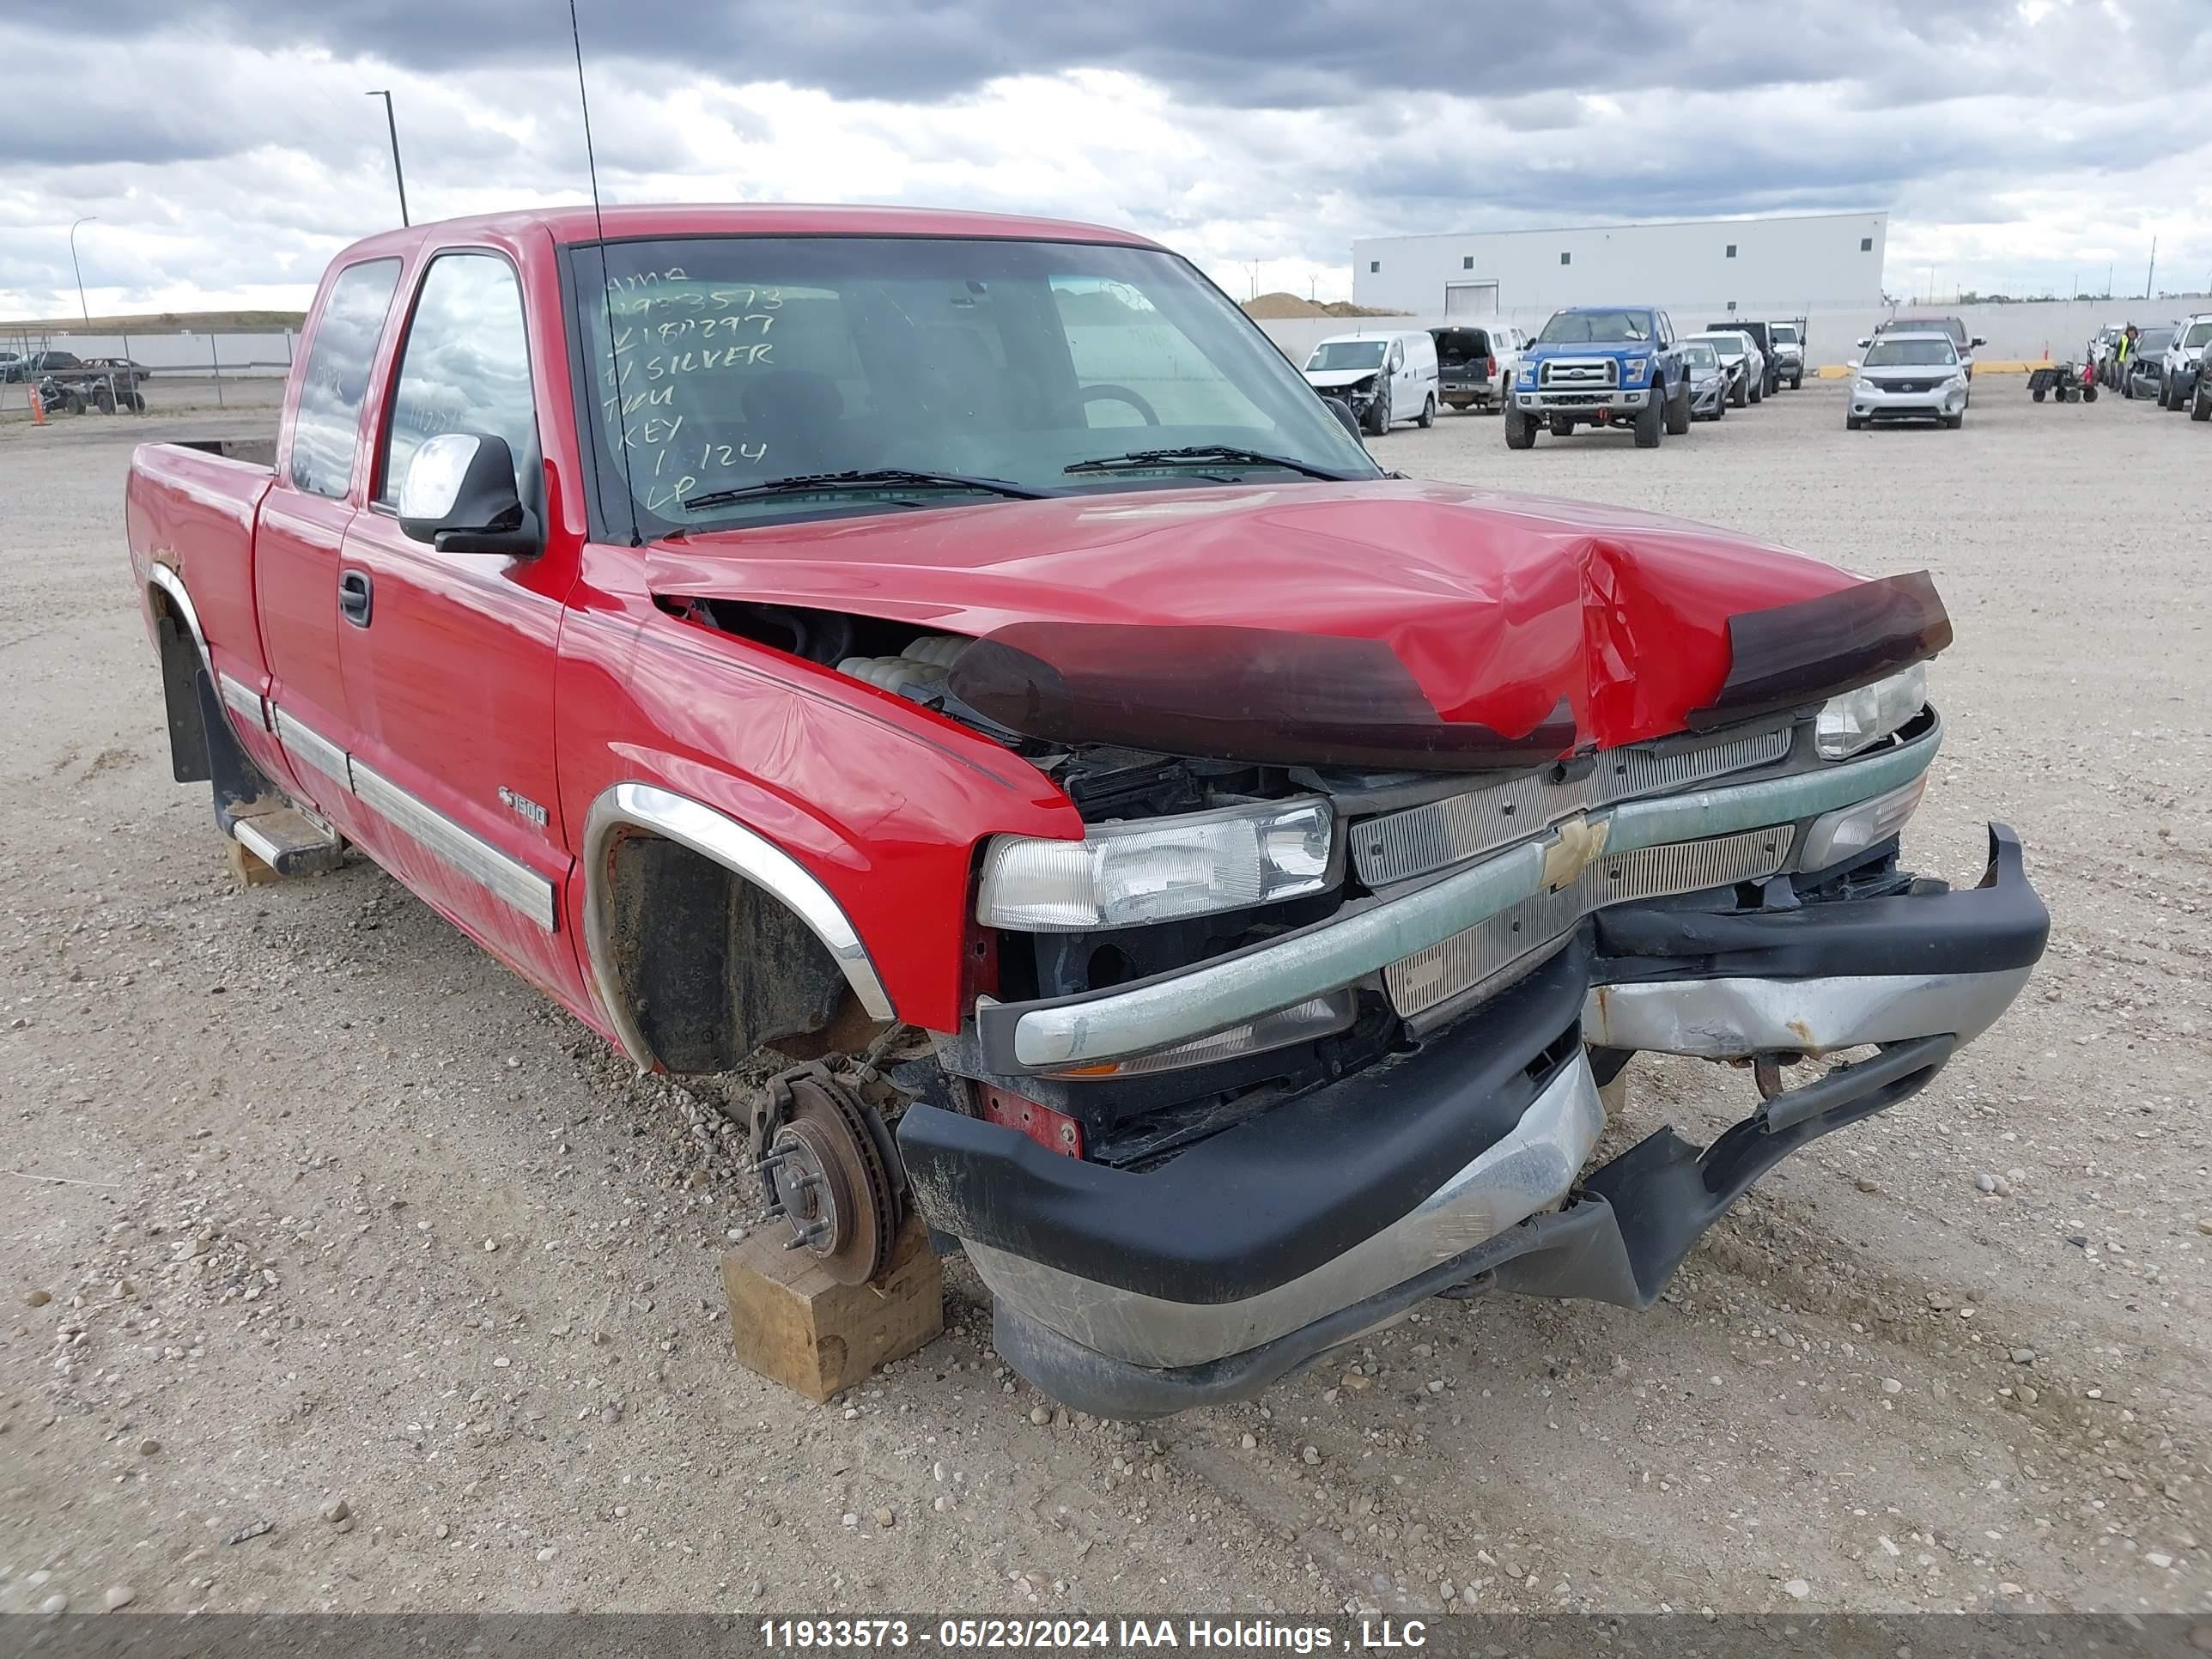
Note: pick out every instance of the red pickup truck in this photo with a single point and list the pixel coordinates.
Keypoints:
(1211, 879)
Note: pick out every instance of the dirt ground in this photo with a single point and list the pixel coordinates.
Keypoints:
(329, 1208)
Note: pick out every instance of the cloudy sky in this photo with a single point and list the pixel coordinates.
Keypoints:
(227, 149)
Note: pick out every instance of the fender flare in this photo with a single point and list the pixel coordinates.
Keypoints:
(623, 809)
(163, 577)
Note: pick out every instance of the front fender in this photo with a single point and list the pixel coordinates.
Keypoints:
(861, 810)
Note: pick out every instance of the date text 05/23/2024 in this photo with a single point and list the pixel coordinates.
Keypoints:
(1240, 1635)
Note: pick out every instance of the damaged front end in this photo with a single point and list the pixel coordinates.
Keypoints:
(1311, 1023)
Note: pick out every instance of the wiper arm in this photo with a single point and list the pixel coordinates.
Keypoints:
(868, 478)
(1217, 453)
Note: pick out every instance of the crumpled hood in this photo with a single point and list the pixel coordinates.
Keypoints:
(1327, 379)
(1566, 623)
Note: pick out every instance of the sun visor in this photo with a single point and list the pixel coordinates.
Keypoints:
(1794, 654)
(1227, 693)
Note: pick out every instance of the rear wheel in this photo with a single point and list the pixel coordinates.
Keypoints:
(1652, 420)
(1428, 415)
(1520, 429)
(1678, 412)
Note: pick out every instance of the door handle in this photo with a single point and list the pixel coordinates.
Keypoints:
(354, 595)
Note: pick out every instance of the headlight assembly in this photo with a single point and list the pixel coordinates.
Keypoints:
(1636, 368)
(1859, 720)
(1122, 875)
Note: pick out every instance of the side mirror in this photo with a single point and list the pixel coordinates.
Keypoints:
(1976, 341)
(459, 496)
(1868, 341)
(1854, 363)
(1342, 411)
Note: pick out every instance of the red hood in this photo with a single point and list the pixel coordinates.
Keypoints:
(1502, 607)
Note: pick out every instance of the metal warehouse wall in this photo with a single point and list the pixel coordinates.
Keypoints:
(2062, 327)
(1780, 264)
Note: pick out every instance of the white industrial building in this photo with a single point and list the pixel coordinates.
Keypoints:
(1782, 266)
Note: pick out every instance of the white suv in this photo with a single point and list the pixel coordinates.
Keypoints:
(2181, 376)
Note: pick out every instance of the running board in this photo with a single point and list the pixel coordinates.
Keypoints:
(288, 841)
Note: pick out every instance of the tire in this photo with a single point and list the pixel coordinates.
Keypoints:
(1758, 390)
(2089, 393)
(103, 400)
(1677, 413)
(2037, 394)
(1737, 394)
(1520, 429)
(1427, 417)
(1651, 422)
(2200, 406)
(1796, 381)
(74, 402)
(1378, 414)
(1953, 422)
(1852, 423)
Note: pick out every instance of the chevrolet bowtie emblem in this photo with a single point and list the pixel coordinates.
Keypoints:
(1580, 844)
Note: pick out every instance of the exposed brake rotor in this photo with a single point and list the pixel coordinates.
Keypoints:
(827, 1171)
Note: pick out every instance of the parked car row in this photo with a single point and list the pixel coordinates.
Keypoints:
(2166, 362)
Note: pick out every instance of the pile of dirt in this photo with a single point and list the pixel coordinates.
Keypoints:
(1271, 306)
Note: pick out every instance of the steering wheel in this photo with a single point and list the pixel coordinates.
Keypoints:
(1120, 394)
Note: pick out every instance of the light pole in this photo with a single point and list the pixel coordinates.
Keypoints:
(392, 124)
(83, 309)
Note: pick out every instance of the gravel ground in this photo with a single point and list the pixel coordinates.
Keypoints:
(342, 1272)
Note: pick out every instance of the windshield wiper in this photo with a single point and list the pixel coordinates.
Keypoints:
(1228, 453)
(868, 478)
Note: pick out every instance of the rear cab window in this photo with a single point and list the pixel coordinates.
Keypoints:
(335, 381)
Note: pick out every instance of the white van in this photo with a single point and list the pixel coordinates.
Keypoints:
(1385, 376)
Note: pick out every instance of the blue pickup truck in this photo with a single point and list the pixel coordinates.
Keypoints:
(1607, 366)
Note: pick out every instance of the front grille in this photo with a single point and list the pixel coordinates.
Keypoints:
(1474, 958)
(1574, 372)
(1399, 846)
(1906, 386)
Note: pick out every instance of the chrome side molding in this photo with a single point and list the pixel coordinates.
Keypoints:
(506, 880)
(643, 808)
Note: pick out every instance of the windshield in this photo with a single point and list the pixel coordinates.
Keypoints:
(744, 360)
(2154, 339)
(1950, 326)
(2198, 333)
(1784, 333)
(1730, 346)
(1347, 353)
(1596, 328)
(1700, 355)
(1914, 351)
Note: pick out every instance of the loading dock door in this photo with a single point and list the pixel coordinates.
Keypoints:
(1470, 299)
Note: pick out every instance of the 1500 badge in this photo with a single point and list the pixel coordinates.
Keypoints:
(522, 806)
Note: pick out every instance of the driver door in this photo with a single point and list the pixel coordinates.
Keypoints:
(448, 657)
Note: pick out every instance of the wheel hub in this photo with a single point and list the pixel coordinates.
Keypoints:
(826, 1171)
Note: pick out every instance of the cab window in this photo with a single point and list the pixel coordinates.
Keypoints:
(464, 366)
(335, 381)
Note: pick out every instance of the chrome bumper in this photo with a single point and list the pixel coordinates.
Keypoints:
(1386, 934)
(1530, 1169)
(1529, 1172)
(1581, 400)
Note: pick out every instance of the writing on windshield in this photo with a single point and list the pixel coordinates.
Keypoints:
(1346, 353)
(1596, 328)
(722, 364)
(1926, 353)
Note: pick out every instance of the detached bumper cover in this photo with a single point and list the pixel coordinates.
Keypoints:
(1135, 1294)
